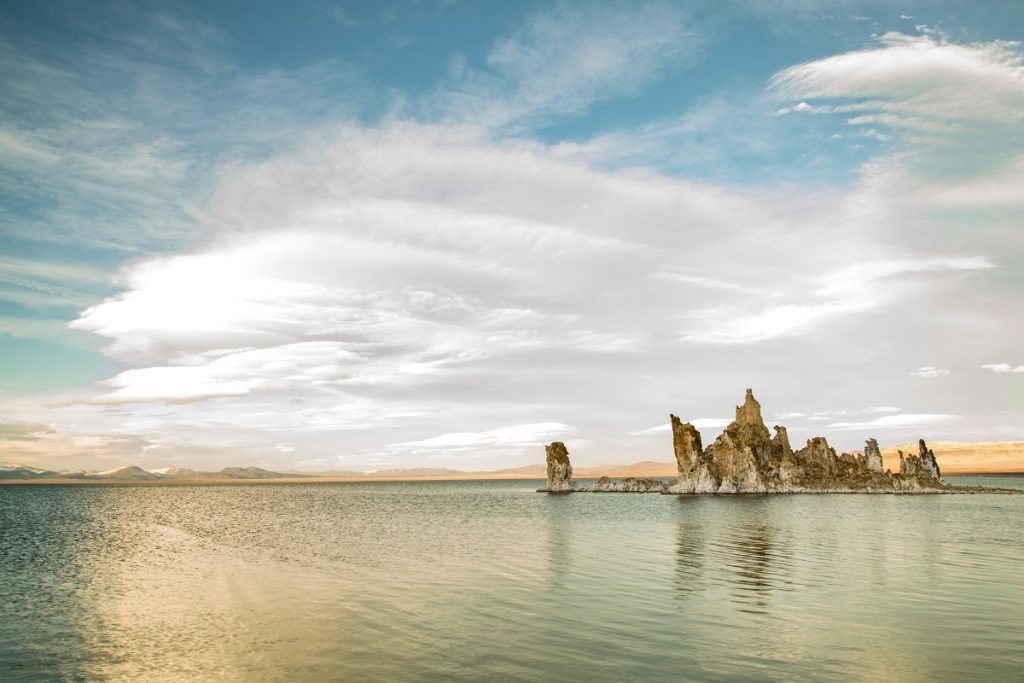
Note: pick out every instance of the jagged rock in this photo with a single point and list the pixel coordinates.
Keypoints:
(928, 462)
(627, 485)
(736, 463)
(921, 466)
(748, 429)
(746, 459)
(818, 460)
(559, 467)
(872, 456)
(686, 444)
(780, 443)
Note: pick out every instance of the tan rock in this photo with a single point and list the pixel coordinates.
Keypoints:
(559, 467)
(686, 444)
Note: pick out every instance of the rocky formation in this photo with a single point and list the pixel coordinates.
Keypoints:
(560, 477)
(686, 443)
(920, 466)
(559, 468)
(873, 456)
(746, 458)
(627, 485)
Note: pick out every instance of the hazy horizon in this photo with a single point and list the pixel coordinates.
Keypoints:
(394, 235)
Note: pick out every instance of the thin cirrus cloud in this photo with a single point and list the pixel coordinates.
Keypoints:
(563, 59)
(901, 421)
(851, 289)
(516, 436)
(929, 372)
(1003, 368)
(699, 423)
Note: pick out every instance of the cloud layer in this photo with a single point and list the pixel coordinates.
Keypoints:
(454, 284)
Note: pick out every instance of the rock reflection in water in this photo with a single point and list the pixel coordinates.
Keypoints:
(749, 549)
(558, 548)
(748, 559)
(689, 577)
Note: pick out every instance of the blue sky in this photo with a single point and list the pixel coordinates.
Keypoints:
(357, 235)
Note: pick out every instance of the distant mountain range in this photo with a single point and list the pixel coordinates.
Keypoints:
(129, 473)
(953, 458)
(134, 473)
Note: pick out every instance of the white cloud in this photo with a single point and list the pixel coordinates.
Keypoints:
(901, 421)
(1003, 368)
(918, 80)
(852, 289)
(953, 111)
(735, 326)
(929, 371)
(432, 279)
(416, 279)
(855, 280)
(516, 436)
(699, 423)
(714, 283)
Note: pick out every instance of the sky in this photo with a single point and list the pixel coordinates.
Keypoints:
(367, 235)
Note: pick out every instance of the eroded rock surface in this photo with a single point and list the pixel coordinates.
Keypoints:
(745, 458)
(627, 485)
(685, 443)
(922, 466)
(559, 467)
(873, 456)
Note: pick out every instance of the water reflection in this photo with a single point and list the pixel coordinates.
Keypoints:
(749, 550)
(689, 558)
(558, 541)
(727, 549)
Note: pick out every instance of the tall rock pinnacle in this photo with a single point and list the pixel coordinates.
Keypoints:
(559, 467)
(686, 444)
(873, 456)
(750, 412)
(928, 462)
(748, 431)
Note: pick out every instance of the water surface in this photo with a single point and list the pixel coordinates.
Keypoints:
(469, 581)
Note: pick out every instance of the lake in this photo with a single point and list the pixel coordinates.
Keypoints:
(472, 581)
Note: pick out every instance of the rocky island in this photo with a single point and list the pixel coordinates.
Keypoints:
(746, 458)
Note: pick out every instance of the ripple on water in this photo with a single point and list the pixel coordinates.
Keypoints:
(488, 580)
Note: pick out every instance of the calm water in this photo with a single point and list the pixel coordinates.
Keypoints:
(475, 581)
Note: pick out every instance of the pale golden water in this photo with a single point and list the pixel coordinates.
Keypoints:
(470, 581)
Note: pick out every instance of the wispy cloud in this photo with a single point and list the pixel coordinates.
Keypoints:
(917, 81)
(901, 421)
(929, 372)
(699, 423)
(516, 436)
(954, 109)
(1003, 368)
(853, 289)
(564, 58)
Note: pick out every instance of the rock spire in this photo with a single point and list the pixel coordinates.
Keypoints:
(559, 467)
